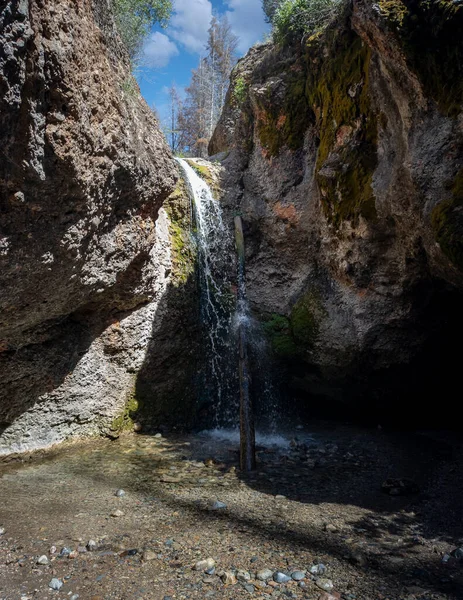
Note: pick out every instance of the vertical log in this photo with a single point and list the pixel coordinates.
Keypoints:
(247, 429)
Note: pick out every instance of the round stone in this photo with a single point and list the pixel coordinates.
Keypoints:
(120, 493)
(43, 560)
(205, 565)
(324, 584)
(280, 577)
(55, 584)
(264, 574)
(298, 575)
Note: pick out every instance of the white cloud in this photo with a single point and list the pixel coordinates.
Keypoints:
(190, 23)
(247, 20)
(159, 50)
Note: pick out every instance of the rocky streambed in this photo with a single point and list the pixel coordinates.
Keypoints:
(158, 517)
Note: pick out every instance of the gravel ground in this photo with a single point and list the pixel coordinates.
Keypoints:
(318, 501)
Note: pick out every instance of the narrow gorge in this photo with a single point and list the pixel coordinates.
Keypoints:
(133, 321)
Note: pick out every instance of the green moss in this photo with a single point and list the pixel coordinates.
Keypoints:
(278, 330)
(304, 320)
(183, 252)
(447, 222)
(431, 35)
(339, 92)
(291, 337)
(124, 422)
(286, 125)
(205, 173)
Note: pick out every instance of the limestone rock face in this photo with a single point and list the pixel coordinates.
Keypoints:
(344, 158)
(84, 251)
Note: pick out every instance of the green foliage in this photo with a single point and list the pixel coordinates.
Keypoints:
(278, 330)
(431, 36)
(447, 222)
(294, 18)
(270, 7)
(240, 91)
(134, 19)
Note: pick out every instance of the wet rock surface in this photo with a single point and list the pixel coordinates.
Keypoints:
(169, 542)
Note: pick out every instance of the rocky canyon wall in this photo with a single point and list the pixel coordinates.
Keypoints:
(344, 154)
(85, 252)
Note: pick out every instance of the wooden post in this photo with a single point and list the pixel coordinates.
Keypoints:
(247, 430)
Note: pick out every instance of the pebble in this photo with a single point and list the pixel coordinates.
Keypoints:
(330, 528)
(65, 551)
(319, 569)
(74, 596)
(249, 588)
(55, 584)
(92, 545)
(205, 565)
(158, 436)
(149, 555)
(229, 578)
(264, 574)
(52, 550)
(333, 596)
(280, 577)
(217, 505)
(324, 584)
(243, 576)
(280, 497)
(2, 530)
(117, 513)
(43, 560)
(298, 575)
(119, 493)
(137, 427)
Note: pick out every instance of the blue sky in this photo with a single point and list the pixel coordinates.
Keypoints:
(170, 54)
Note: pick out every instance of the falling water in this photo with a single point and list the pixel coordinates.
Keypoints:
(214, 243)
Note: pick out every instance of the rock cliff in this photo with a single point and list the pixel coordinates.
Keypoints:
(85, 255)
(344, 156)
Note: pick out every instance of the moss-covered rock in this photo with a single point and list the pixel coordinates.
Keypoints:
(447, 221)
(291, 337)
(430, 32)
(339, 93)
(183, 251)
(125, 421)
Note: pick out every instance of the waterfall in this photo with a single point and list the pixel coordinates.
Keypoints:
(215, 247)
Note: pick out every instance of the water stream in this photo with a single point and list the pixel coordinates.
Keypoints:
(215, 249)
(223, 316)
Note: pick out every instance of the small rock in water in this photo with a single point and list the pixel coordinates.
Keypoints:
(120, 493)
(229, 578)
(55, 584)
(217, 505)
(325, 584)
(280, 577)
(117, 513)
(205, 565)
(264, 574)
(92, 546)
(319, 569)
(65, 551)
(43, 560)
(298, 575)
